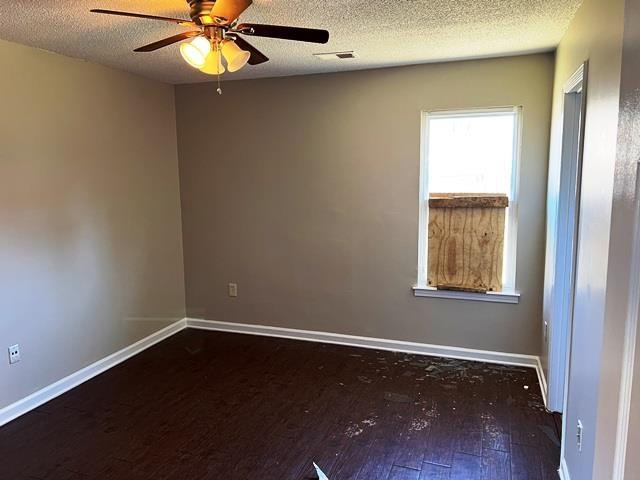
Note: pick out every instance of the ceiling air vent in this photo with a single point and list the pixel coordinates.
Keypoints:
(336, 55)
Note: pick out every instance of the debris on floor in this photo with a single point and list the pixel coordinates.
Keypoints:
(321, 475)
(398, 397)
(353, 431)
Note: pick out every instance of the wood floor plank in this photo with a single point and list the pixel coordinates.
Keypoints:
(435, 472)
(350, 461)
(413, 442)
(525, 463)
(466, 467)
(496, 437)
(441, 443)
(469, 441)
(403, 473)
(213, 405)
(496, 465)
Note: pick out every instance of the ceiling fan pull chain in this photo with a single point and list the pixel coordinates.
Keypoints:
(218, 56)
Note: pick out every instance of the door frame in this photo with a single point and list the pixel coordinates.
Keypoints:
(574, 103)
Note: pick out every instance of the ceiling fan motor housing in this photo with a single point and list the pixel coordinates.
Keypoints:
(200, 11)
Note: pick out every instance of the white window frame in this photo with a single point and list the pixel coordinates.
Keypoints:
(508, 293)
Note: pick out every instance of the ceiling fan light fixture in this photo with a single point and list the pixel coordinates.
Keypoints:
(213, 63)
(213, 20)
(236, 57)
(196, 51)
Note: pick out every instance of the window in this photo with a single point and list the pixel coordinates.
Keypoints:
(474, 151)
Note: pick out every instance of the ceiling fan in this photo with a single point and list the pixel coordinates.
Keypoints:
(216, 35)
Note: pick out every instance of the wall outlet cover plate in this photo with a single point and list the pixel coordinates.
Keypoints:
(14, 354)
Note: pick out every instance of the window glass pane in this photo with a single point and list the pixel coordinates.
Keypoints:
(471, 154)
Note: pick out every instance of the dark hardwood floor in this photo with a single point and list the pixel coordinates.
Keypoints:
(206, 405)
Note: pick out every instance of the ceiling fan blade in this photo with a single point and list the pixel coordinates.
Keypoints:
(226, 11)
(168, 41)
(179, 21)
(288, 33)
(257, 57)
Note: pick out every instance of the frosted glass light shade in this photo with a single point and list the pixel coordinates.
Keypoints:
(213, 64)
(195, 52)
(236, 57)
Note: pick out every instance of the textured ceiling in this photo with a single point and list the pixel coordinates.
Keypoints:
(382, 32)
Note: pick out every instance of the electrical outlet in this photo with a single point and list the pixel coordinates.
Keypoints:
(579, 435)
(14, 354)
(233, 289)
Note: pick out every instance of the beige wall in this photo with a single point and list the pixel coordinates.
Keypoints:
(90, 249)
(625, 217)
(597, 338)
(304, 191)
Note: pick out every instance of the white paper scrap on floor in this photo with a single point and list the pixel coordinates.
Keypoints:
(321, 475)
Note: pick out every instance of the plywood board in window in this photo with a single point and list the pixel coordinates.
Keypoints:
(465, 249)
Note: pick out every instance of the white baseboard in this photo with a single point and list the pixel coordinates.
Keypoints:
(58, 388)
(50, 392)
(542, 379)
(501, 358)
(563, 471)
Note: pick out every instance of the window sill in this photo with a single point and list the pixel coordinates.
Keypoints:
(496, 297)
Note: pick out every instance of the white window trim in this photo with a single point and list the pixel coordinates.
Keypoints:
(495, 297)
(508, 293)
